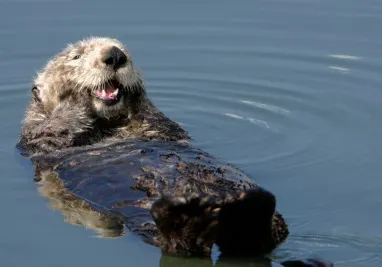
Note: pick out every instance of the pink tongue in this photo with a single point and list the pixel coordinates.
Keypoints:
(109, 90)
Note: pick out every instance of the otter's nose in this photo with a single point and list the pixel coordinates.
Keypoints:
(115, 57)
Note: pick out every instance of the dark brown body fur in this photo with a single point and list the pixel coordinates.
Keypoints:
(130, 164)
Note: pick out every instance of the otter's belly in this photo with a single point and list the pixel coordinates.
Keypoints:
(125, 178)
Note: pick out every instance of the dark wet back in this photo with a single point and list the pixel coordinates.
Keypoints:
(117, 176)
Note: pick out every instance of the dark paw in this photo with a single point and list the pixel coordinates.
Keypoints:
(307, 263)
(245, 223)
(187, 226)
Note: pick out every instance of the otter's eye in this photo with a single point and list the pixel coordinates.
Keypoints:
(76, 57)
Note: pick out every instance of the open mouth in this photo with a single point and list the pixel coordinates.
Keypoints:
(110, 92)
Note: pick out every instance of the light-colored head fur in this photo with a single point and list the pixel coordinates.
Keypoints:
(79, 71)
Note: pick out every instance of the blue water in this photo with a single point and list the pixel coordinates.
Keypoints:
(289, 91)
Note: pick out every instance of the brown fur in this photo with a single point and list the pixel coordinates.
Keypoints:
(63, 111)
(193, 205)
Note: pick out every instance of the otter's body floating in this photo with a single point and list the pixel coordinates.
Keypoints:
(107, 157)
(195, 199)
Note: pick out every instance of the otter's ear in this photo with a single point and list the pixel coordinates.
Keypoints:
(35, 93)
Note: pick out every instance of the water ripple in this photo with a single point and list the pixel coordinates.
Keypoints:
(342, 248)
(258, 122)
(267, 107)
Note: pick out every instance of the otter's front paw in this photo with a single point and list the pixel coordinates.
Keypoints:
(47, 144)
(70, 119)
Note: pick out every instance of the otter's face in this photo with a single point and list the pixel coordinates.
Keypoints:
(98, 71)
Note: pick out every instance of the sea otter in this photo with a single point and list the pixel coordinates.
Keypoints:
(100, 145)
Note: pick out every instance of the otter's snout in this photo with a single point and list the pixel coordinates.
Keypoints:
(114, 57)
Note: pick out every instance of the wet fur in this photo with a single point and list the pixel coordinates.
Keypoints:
(63, 112)
(192, 210)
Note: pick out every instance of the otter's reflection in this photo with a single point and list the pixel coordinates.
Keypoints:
(169, 261)
(76, 211)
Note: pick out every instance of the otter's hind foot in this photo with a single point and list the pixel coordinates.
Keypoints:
(246, 224)
(240, 223)
(187, 226)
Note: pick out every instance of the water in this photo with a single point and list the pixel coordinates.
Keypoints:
(290, 91)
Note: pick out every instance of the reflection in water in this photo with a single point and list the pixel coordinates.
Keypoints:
(168, 261)
(75, 210)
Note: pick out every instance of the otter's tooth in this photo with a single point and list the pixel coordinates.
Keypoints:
(103, 93)
(116, 91)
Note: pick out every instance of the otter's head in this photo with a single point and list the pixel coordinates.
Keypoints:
(97, 71)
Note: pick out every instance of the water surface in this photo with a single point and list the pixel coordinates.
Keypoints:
(289, 91)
